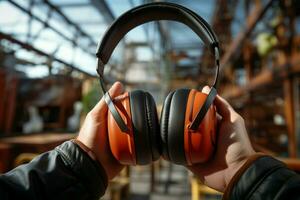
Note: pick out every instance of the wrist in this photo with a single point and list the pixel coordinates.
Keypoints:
(85, 149)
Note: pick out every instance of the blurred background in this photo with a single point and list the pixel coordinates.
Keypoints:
(48, 79)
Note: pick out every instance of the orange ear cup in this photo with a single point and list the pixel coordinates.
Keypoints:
(181, 144)
(121, 143)
(199, 145)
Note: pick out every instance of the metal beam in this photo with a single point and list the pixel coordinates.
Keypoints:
(265, 78)
(71, 5)
(78, 29)
(90, 22)
(234, 48)
(165, 35)
(86, 49)
(104, 10)
(29, 47)
(63, 4)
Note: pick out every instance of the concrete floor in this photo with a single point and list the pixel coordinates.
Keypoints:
(179, 185)
(178, 189)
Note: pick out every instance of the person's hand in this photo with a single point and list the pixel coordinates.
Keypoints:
(232, 150)
(93, 134)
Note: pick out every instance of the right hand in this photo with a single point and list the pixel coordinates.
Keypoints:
(233, 148)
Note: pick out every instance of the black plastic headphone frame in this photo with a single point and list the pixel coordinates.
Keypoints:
(153, 12)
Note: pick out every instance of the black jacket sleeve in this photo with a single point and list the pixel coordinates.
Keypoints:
(266, 178)
(66, 172)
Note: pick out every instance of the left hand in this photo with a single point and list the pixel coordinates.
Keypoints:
(94, 134)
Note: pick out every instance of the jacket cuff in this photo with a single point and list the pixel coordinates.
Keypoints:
(88, 171)
(239, 173)
(250, 174)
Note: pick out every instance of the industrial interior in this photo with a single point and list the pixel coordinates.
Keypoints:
(48, 78)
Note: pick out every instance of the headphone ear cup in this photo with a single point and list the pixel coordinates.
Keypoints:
(173, 124)
(145, 127)
(180, 144)
(199, 143)
(121, 143)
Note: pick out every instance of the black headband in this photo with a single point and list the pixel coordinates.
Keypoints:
(154, 12)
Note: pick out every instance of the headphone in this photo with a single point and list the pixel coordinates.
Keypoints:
(186, 133)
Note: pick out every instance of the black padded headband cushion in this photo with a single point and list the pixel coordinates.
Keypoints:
(153, 12)
(145, 127)
(172, 126)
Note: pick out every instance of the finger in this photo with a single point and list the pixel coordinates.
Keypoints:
(206, 89)
(115, 90)
(223, 107)
(219, 119)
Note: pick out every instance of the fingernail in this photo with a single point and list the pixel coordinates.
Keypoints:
(206, 89)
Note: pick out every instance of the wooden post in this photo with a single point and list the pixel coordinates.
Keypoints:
(11, 103)
(290, 116)
(2, 99)
(289, 86)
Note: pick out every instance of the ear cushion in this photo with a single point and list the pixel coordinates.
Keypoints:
(145, 127)
(164, 120)
(172, 125)
(153, 126)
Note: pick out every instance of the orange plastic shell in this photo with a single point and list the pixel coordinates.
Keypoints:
(199, 145)
(121, 143)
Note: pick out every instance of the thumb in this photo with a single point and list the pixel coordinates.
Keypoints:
(115, 90)
(223, 107)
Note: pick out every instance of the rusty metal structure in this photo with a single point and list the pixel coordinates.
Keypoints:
(173, 54)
